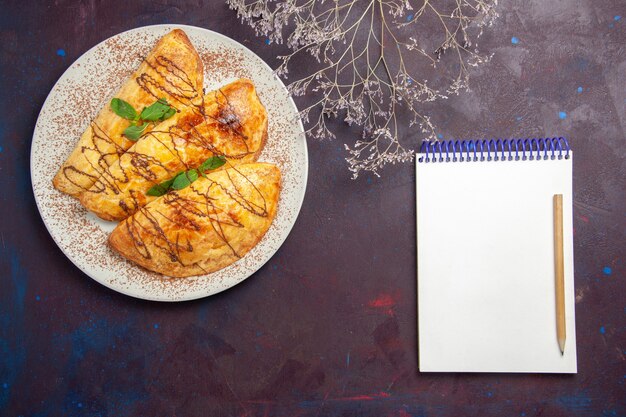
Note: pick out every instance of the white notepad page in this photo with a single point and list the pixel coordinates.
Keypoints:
(485, 262)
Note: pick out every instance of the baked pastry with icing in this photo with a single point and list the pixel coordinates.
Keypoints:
(173, 70)
(232, 124)
(204, 227)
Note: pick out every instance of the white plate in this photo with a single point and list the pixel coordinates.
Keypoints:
(87, 85)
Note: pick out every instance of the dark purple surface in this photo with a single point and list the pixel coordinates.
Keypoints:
(328, 326)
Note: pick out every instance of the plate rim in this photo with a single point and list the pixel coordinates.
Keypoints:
(301, 194)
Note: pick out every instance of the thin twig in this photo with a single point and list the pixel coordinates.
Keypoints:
(370, 72)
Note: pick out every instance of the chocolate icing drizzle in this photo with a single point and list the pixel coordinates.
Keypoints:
(178, 86)
(190, 209)
(172, 82)
(208, 131)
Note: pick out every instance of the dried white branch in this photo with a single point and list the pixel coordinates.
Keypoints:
(372, 56)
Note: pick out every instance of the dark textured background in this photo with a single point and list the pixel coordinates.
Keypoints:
(328, 326)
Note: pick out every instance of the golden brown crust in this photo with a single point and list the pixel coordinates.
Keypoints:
(204, 227)
(173, 70)
(233, 124)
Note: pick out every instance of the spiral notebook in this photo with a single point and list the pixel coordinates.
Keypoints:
(486, 257)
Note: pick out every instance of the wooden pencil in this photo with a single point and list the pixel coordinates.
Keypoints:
(558, 270)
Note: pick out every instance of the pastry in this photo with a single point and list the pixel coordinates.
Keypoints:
(204, 227)
(232, 124)
(172, 71)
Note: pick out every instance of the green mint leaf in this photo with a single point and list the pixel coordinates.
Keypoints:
(160, 189)
(157, 190)
(169, 113)
(212, 163)
(155, 111)
(123, 109)
(133, 132)
(185, 179)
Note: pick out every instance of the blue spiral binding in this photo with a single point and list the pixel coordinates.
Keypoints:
(483, 149)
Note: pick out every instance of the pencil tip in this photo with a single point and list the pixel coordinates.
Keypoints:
(562, 346)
